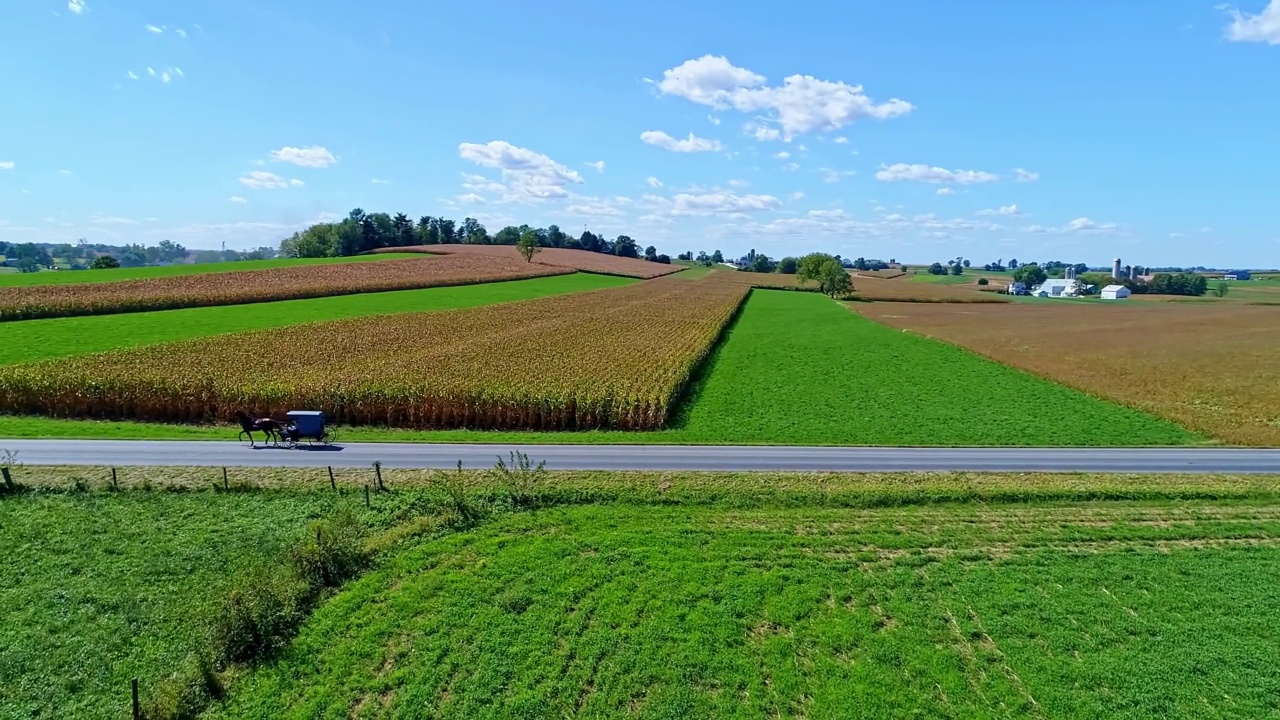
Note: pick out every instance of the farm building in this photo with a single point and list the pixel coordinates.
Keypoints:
(1238, 275)
(1115, 292)
(1060, 288)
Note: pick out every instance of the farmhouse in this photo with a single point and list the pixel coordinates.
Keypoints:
(1060, 288)
(1115, 292)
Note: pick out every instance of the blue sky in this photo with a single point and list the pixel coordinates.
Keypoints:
(912, 130)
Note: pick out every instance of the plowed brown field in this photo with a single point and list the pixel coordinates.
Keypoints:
(1213, 368)
(251, 286)
(556, 257)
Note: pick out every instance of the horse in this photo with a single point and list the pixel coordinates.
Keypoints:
(267, 426)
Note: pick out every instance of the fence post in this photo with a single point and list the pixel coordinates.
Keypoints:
(377, 470)
(137, 707)
(114, 486)
(332, 483)
(225, 485)
(8, 479)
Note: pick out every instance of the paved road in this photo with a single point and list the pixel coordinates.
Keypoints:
(652, 457)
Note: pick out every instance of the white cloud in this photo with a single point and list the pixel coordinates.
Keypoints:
(594, 207)
(112, 220)
(131, 75)
(479, 183)
(946, 191)
(263, 180)
(178, 70)
(181, 33)
(713, 120)
(1085, 226)
(77, 6)
(296, 182)
(151, 72)
(380, 181)
(1006, 210)
(470, 198)
(65, 172)
(738, 183)
(801, 104)
(653, 182)
(154, 29)
(165, 77)
(1263, 27)
(791, 167)
(313, 156)
(529, 175)
(763, 133)
(842, 140)
(797, 195)
(689, 145)
(833, 176)
(236, 199)
(782, 155)
(7, 165)
(720, 203)
(1025, 176)
(923, 173)
(597, 165)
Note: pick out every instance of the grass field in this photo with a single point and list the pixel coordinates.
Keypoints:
(103, 587)
(982, 609)
(582, 260)
(798, 368)
(30, 340)
(145, 273)
(668, 595)
(1207, 366)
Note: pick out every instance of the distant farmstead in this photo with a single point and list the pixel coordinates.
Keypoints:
(1115, 292)
(1238, 275)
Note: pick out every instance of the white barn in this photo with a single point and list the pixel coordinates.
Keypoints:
(1115, 292)
(1059, 288)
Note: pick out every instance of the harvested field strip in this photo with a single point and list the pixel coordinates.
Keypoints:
(583, 260)
(904, 290)
(61, 277)
(255, 286)
(31, 340)
(1209, 367)
(613, 358)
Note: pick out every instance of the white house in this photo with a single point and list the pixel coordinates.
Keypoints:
(1059, 288)
(1115, 292)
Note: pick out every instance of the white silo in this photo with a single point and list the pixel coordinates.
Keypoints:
(1115, 268)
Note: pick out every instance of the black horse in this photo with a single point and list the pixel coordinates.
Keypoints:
(269, 427)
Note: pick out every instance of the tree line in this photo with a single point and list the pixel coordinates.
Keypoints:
(361, 232)
(83, 255)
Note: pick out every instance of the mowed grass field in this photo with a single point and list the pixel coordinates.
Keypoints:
(799, 368)
(63, 277)
(1065, 610)
(1208, 366)
(30, 340)
(103, 587)
(666, 595)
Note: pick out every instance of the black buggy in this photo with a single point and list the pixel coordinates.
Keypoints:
(306, 425)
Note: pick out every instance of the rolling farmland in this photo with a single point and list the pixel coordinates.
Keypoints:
(1208, 366)
(610, 359)
(556, 257)
(255, 286)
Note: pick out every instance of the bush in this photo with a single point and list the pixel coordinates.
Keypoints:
(521, 479)
(185, 694)
(983, 281)
(258, 615)
(463, 510)
(334, 554)
(104, 262)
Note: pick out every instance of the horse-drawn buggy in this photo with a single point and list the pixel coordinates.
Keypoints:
(309, 426)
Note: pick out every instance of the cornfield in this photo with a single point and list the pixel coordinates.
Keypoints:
(251, 286)
(615, 358)
(583, 260)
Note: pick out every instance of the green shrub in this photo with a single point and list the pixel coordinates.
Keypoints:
(983, 281)
(186, 693)
(522, 480)
(258, 615)
(463, 509)
(333, 554)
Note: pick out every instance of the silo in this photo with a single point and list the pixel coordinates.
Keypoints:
(1115, 268)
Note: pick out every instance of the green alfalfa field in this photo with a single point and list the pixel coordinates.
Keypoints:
(664, 595)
